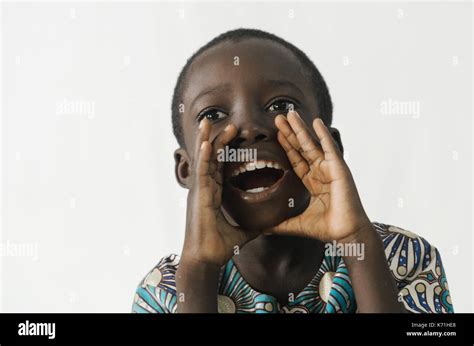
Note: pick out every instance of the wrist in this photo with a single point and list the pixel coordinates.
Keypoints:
(195, 273)
(197, 286)
(196, 264)
(366, 241)
(196, 253)
(363, 233)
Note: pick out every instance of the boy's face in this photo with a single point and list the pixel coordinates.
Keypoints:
(247, 84)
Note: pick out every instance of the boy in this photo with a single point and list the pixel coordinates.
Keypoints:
(259, 233)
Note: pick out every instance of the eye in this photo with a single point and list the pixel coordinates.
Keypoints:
(282, 106)
(211, 115)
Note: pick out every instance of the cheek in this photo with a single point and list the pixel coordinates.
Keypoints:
(191, 131)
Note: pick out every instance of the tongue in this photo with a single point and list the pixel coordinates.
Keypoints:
(260, 178)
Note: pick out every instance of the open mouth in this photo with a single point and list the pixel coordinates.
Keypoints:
(256, 177)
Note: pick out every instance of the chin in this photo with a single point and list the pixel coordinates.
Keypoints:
(266, 214)
(256, 219)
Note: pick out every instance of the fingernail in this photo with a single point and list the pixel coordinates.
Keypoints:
(202, 145)
(228, 127)
(200, 123)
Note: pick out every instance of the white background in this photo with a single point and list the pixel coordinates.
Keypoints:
(94, 191)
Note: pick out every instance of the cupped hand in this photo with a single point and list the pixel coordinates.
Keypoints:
(209, 238)
(335, 211)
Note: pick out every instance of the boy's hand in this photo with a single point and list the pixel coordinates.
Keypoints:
(209, 238)
(335, 211)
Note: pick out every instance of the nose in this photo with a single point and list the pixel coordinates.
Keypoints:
(251, 132)
(250, 136)
(253, 123)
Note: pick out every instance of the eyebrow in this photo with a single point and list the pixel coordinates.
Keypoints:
(284, 83)
(218, 88)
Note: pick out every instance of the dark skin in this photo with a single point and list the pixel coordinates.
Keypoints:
(280, 246)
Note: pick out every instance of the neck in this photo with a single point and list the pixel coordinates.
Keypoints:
(270, 251)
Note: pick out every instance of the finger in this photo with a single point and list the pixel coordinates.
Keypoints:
(285, 127)
(204, 133)
(203, 178)
(311, 151)
(203, 160)
(218, 144)
(282, 124)
(329, 146)
(224, 137)
(299, 164)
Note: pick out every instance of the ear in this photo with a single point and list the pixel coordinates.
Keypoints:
(182, 168)
(337, 137)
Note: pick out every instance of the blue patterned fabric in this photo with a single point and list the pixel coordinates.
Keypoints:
(414, 263)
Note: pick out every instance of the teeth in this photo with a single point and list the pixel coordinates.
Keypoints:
(257, 189)
(251, 166)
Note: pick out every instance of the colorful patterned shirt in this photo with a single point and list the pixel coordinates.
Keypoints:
(414, 263)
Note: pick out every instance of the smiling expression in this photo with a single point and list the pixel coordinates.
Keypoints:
(268, 80)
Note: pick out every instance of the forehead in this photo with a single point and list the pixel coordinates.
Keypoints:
(244, 62)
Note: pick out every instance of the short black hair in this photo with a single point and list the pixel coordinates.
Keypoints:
(320, 88)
